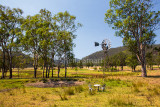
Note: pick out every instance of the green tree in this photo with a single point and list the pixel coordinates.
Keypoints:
(88, 64)
(80, 64)
(157, 59)
(150, 60)
(132, 61)
(113, 61)
(67, 28)
(10, 21)
(91, 64)
(30, 39)
(121, 59)
(135, 22)
(45, 39)
(19, 62)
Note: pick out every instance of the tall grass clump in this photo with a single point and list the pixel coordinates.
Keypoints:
(79, 89)
(2, 103)
(69, 91)
(33, 98)
(121, 101)
(63, 93)
(154, 91)
(150, 99)
(44, 98)
(135, 88)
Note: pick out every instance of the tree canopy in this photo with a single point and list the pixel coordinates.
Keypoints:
(135, 22)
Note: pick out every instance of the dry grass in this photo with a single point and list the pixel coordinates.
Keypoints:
(124, 88)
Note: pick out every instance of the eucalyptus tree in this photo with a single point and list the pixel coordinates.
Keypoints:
(59, 52)
(45, 37)
(67, 26)
(30, 38)
(121, 59)
(10, 21)
(132, 61)
(150, 60)
(19, 62)
(80, 64)
(157, 60)
(135, 22)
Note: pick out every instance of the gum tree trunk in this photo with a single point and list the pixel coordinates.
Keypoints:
(58, 70)
(4, 67)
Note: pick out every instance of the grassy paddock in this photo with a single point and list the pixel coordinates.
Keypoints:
(123, 88)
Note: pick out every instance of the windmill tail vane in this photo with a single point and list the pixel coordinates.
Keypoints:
(106, 44)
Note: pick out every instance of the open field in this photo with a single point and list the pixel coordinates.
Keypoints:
(123, 88)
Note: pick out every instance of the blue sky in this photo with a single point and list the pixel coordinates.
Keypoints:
(90, 13)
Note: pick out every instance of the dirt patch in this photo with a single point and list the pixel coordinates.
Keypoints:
(56, 84)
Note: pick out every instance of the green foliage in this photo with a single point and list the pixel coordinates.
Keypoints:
(95, 68)
(42, 35)
(135, 22)
(132, 61)
(80, 64)
(44, 80)
(11, 20)
(150, 60)
(113, 69)
(121, 59)
(11, 84)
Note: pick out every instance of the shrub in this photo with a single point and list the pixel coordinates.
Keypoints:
(95, 68)
(69, 91)
(44, 80)
(113, 69)
(79, 89)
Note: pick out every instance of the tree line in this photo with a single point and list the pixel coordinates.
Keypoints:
(121, 59)
(129, 59)
(43, 35)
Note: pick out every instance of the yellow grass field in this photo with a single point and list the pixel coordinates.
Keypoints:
(123, 89)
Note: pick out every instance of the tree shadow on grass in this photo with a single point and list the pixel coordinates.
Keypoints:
(154, 76)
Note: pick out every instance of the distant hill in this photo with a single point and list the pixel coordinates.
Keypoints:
(100, 54)
(112, 51)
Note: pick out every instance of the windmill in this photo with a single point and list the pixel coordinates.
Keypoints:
(106, 45)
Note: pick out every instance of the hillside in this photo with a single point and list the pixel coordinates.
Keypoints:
(100, 54)
(112, 51)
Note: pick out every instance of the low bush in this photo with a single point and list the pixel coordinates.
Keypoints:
(69, 91)
(95, 68)
(79, 89)
(44, 80)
